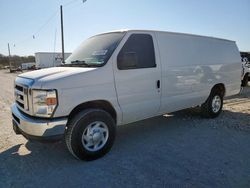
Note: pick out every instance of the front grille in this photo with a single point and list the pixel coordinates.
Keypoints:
(21, 95)
(20, 88)
(20, 104)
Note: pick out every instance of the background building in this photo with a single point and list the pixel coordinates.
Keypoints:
(49, 59)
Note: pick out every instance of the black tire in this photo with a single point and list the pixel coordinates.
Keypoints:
(207, 110)
(244, 82)
(76, 127)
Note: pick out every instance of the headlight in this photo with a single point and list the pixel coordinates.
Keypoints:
(44, 102)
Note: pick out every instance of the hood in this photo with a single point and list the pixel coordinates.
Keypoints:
(53, 74)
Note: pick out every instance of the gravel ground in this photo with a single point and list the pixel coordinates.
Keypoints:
(176, 150)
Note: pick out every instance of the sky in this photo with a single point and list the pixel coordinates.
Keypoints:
(31, 26)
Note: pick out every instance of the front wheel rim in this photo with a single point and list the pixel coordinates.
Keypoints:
(95, 136)
(216, 104)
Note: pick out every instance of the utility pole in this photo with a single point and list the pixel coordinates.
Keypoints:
(9, 56)
(61, 10)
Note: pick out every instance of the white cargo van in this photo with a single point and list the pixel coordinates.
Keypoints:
(120, 77)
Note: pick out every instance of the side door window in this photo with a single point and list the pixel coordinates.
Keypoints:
(137, 52)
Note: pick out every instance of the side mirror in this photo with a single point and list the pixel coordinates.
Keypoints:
(127, 60)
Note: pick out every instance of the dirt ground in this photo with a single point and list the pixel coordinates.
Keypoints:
(176, 150)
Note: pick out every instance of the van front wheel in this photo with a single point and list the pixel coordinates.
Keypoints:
(213, 105)
(90, 134)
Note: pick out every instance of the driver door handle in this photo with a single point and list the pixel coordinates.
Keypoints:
(158, 84)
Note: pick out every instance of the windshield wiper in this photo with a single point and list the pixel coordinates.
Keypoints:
(82, 63)
(76, 63)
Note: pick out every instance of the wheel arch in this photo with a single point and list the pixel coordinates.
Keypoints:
(100, 104)
(219, 87)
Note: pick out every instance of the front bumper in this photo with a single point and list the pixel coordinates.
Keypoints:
(33, 128)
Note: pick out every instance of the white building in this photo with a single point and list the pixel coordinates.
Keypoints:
(49, 59)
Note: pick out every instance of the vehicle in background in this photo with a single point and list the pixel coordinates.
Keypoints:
(245, 71)
(15, 69)
(49, 59)
(6, 67)
(121, 77)
(28, 66)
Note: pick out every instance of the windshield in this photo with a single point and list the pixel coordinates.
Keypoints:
(95, 51)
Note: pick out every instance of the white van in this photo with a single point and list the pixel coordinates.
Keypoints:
(120, 77)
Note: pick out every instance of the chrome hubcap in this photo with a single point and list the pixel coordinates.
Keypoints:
(216, 104)
(95, 136)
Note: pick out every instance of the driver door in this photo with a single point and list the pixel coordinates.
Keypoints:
(137, 73)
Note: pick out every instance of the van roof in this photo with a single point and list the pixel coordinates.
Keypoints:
(177, 33)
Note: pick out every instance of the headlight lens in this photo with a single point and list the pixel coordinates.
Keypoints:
(44, 102)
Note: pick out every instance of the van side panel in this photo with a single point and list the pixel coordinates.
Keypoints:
(192, 65)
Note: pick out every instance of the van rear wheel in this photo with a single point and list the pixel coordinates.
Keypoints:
(90, 134)
(213, 105)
